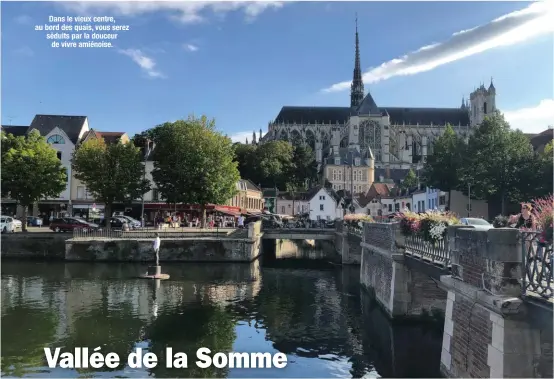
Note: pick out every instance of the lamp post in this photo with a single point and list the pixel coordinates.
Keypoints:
(147, 152)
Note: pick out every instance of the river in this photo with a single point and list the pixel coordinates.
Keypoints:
(314, 313)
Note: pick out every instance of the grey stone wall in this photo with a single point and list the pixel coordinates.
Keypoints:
(490, 331)
(176, 250)
(34, 245)
(403, 286)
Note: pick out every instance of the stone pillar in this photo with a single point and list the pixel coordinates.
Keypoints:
(424, 146)
(488, 331)
(318, 152)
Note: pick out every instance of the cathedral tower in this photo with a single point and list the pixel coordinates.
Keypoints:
(482, 103)
(357, 87)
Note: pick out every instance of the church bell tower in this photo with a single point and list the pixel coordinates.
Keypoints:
(357, 87)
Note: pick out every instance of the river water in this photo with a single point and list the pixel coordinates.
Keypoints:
(315, 313)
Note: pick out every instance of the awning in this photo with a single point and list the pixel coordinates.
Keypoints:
(231, 211)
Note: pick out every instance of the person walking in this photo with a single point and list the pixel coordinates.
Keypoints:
(157, 243)
(240, 222)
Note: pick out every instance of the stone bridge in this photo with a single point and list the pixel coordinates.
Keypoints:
(299, 233)
(492, 292)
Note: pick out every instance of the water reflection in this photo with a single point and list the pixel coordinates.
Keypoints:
(317, 317)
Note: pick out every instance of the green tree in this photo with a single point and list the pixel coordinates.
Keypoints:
(31, 170)
(304, 168)
(410, 181)
(194, 164)
(496, 160)
(246, 158)
(275, 163)
(111, 172)
(442, 169)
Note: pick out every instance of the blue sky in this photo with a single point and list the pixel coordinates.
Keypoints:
(241, 62)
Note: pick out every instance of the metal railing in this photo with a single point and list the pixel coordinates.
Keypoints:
(150, 233)
(537, 263)
(437, 253)
(354, 229)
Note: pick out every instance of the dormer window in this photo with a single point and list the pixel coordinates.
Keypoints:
(357, 161)
(337, 161)
(56, 139)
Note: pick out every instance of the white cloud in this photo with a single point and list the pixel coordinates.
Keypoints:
(190, 47)
(532, 119)
(241, 137)
(147, 64)
(515, 27)
(187, 12)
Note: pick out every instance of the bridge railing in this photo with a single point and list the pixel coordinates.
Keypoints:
(537, 260)
(436, 252)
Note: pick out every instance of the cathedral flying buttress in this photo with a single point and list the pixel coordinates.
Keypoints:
(395, 137)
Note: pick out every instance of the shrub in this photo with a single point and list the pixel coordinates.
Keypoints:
(500, 221)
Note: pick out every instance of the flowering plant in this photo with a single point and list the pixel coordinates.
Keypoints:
(358, 217)
(431, 225)
(543, 209)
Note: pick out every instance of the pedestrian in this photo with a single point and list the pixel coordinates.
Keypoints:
(525, 219)
(157, 243)
(240, 222)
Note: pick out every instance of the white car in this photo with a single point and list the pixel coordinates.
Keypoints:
(477, 223)
(6, 224)
(18, 224)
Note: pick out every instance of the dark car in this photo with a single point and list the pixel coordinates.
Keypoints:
(34, 221)
(69, 224)
(115, 223)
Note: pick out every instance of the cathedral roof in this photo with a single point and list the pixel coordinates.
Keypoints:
(313, 115)
(398, 115)
(427, 116)
(368, 106)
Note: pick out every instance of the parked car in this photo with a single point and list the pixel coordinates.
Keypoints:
(69, 224)
(133, 223)
(34, 221)
(115, 223)
(6, 224)
(17, 224)
(477, 223)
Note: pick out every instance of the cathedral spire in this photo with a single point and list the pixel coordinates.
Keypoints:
(357, 87)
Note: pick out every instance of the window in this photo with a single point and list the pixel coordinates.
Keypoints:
(390, 207)
(369, 211)
(337, 161)
(485, 107)
(397, 207)
(442, 200)
(328, 218)
(155, 195)
(318, 218)
(322, 197)
(56, 139)
(283, 209)
(334, 175)
(59, 155)
(357, 161)
(80, 192)
(320, 207)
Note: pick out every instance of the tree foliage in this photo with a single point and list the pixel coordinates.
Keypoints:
(277, 164)
(194, 163)
(410, 181)
(497, 163)
(111, 172)
(442, 169)
(31, 170)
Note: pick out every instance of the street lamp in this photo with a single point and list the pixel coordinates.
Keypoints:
(147, 151)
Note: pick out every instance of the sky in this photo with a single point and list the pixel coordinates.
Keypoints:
(240, 62)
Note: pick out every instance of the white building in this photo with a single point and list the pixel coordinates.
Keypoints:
(324, 204)
(292, 204)
(419, 201)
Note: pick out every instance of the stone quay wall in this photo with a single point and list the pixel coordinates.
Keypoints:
(490, 331)
(347, 244)
(193, 249)
(404, 287)
(46, 246)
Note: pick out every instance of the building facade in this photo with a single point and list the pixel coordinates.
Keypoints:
(347, 169)
(398, 138)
